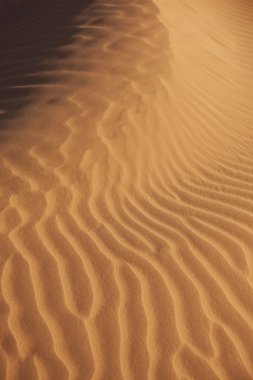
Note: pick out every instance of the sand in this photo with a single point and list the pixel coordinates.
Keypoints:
(126, 184)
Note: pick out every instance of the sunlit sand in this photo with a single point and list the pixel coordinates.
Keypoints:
(126, 184)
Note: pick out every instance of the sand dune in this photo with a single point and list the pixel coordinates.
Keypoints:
(126, 189)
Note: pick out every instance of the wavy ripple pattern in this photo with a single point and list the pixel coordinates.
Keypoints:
(126, 193)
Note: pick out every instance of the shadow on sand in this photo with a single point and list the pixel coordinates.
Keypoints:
(32, 40)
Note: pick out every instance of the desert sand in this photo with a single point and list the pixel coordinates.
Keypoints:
(126, 190)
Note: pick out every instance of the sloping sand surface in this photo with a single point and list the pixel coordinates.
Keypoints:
(126, 190)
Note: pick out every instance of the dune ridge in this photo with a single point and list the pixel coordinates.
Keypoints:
(126, 191)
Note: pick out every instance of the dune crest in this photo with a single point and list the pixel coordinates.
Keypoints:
(126, 191)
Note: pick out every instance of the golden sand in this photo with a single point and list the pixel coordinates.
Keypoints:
(126, 190)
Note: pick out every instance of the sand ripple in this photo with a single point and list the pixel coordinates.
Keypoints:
(126, 189)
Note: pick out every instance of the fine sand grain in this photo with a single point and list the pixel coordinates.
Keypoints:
(126, 190)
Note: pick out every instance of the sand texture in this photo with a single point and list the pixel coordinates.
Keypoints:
(126, 190)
